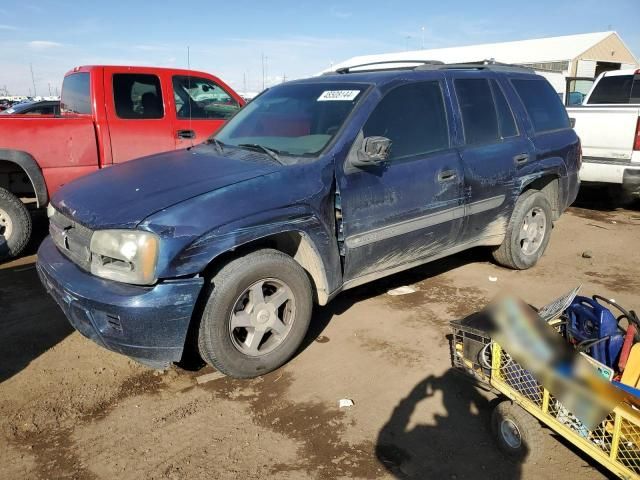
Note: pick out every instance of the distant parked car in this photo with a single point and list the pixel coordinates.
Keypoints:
(44, 107)
(108, 115)
(316, 186)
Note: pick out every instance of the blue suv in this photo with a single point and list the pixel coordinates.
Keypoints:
(314, 187)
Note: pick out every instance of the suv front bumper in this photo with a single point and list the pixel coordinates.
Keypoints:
(148, 324)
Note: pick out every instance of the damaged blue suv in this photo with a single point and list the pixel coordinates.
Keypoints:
(314, 187)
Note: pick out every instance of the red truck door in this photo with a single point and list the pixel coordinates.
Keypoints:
(139, 119)
(202, 105)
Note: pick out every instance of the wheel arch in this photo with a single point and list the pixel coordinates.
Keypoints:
(548, 184)
(295, 243)
(15, 162)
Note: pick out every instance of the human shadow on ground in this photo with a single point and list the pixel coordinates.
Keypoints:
(456, 444)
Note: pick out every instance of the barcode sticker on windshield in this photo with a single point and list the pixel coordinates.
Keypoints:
(340, 95)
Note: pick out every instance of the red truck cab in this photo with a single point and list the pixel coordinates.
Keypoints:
(109, 114)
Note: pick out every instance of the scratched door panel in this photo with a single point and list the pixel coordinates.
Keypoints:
(401, 213)
(494, 149)
(412, 206)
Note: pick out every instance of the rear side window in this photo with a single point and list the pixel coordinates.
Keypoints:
(505, 116)
(137, 96)
(617, 89)
(413, 117)
(542, 104)
(614, 89)
(76, 94)
(479, 117)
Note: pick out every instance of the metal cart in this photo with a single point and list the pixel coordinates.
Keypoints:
(615, 443)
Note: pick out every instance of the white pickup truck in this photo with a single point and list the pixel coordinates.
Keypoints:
(608, 125)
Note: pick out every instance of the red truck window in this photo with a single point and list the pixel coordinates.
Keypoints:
(137, 96)
(200, 99)
(76, 94)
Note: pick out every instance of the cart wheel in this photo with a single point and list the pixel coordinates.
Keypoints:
(518, 433)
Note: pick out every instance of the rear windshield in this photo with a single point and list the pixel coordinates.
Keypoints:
(543, 105)
(293, 119)
(616, 89)
(76, 96)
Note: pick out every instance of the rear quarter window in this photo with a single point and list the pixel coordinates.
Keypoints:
(479, 117)
(542, 104)
(76, 94)
(614, 89)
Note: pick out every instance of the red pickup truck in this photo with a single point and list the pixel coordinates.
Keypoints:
(109, 114)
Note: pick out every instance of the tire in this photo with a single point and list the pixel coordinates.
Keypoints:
(237, 297)
(521, 254)
(15, 225)
(518, 434)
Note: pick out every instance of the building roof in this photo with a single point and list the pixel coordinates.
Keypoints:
(549, 49)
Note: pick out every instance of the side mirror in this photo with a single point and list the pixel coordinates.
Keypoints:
(373, 151)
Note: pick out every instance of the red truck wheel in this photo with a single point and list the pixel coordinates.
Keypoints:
(15, 225)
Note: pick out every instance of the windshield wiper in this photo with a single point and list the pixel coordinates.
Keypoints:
(219, 145)
(269, 151)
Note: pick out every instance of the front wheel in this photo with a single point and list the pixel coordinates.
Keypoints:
(257, 314)
(528, 232)
(15, 225)
(517, 433)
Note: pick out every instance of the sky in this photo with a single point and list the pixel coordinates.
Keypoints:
(298, 38)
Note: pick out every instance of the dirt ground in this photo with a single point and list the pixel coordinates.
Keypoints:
(69, 409)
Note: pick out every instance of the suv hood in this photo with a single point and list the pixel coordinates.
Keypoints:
(123, 195)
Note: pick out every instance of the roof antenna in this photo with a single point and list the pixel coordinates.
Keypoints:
(191, 133)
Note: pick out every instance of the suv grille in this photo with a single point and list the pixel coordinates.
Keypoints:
(72, 239)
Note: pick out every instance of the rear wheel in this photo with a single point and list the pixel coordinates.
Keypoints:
(15, 225)
(257, 314)
(528, 232)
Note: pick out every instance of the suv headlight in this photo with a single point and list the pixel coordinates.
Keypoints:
(128, 256)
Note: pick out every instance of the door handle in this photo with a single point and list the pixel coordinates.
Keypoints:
(521, 159)
(446, 176)
(188, 134)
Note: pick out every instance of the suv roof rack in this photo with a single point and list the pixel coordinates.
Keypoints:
(423, 63)
(491, 65)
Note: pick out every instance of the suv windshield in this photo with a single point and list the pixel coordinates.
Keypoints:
(294, 119)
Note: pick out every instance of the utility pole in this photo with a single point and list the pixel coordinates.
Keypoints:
(422, 38)
(284, 77)
(33, 80)
(244, 82)
(49, 83)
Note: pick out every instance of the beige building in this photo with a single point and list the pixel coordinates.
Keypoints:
(582, 55)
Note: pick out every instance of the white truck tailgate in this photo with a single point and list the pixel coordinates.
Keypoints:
(606, 133)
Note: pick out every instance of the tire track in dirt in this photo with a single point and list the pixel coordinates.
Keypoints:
(458, 302)
(620, 282)
(316, 427)
(52, 444)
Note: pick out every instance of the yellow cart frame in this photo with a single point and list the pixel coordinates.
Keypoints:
(615, 443)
